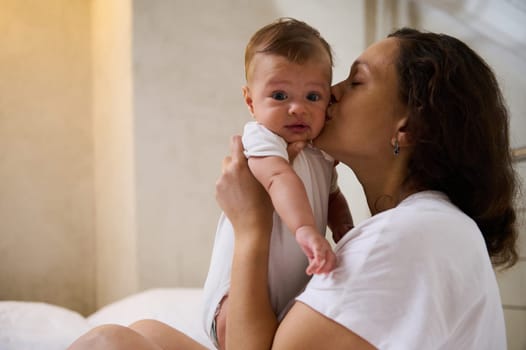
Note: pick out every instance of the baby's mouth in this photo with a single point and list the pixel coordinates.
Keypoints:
(297, 127)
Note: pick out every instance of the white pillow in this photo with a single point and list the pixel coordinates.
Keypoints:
(178, 307)
(33, 325)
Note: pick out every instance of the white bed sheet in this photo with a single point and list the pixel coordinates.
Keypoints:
(32, 325)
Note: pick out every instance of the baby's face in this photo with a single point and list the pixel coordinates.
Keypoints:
(288, 98)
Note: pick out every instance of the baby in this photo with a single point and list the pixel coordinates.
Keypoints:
(288, 68)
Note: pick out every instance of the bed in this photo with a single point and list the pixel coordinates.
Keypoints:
(34, 325)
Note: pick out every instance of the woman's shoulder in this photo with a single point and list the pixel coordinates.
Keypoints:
(305, 328)
(426, 226)
(426, 211)
(406, 260)
(430, 215)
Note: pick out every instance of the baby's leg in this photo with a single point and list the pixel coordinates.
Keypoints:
(220, 320)
(318, 250)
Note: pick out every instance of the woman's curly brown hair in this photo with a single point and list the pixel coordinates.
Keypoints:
(459, 126)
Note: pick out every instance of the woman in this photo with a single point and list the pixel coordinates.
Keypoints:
(422, 123)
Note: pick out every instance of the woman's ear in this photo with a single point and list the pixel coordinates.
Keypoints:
(248, 99)
(401, 134)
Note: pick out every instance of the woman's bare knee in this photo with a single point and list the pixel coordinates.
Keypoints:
(147, 326)
(165, 336)
(113, 337)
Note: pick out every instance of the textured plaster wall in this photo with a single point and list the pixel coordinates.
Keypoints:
(113, 124)
(187, 67)
(114, 119)
(188, 73)
(46, 153)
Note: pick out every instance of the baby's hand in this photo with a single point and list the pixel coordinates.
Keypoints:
(322, 259)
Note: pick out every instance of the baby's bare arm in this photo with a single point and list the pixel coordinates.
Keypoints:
(291, 202)
(286, 190)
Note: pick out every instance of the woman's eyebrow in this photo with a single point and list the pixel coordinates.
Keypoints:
(359, 63)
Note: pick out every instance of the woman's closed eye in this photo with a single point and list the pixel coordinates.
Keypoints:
(355, 82)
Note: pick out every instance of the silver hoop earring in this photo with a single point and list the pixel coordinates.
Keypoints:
(396, 148)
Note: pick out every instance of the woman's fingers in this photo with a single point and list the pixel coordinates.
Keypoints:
(236, 153)
(226, 161)
(239, 194)
(236, 149)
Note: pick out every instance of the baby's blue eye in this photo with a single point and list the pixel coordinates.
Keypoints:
(313, 97)
(280, 96)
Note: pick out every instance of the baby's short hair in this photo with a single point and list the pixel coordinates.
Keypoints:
(287, 37)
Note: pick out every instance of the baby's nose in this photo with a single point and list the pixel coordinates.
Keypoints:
(297, 107)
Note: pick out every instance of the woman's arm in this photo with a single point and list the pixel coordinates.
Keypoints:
(251, 323)
(304, 328)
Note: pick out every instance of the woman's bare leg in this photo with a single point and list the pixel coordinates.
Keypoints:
(113, 337)
(165, 336)
(141, 335)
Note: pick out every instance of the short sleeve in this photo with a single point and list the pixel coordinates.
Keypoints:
(365, 293)
(258, 141)
(417, 276)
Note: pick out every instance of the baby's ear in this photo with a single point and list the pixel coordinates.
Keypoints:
(248, 99)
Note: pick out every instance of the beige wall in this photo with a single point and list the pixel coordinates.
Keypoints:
(188, 76)
(115, 117)
(188, 73)
(113, 124)
(46, 153)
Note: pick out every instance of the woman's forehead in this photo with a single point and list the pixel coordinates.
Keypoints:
(379, 58)
(380, 55)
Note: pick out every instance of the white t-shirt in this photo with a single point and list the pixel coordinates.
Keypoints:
(287, 262)
(414, 277)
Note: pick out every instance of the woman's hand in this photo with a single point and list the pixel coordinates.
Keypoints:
(242, 198)
(250, 323)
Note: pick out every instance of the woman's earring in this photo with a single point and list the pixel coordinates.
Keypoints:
(396, 148)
